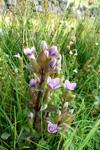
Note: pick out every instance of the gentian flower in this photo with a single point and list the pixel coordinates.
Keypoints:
(29, 52)
(33, 82)
(53, 51)
(30, 116)
(43, 45)
(69, 86)
(52, 128)
(52, 64)
(53, 83)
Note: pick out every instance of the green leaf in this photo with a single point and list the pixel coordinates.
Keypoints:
(35, 66)
(5, 136)
(70, 139)
(3, 148)
(51, 108)
(89, 135)
(29, 67)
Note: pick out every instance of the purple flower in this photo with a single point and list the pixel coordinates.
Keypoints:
(33, 82)
(30, 116)
(52, 64)
(29, 51)
(43, 45)
(53, 51)
(52, 127)
(69, 86)
(53, 83)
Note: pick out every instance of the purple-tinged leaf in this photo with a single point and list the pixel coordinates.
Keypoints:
(42, 60)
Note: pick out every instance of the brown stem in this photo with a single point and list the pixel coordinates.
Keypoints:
(38, 99)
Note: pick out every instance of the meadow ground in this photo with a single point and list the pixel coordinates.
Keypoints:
(22, 30)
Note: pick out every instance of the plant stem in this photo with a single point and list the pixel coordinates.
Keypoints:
(38, 99)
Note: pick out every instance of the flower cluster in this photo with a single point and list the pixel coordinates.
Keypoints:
(46, 72)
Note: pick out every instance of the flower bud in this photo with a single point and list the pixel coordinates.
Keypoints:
(65, 106)
(47, 53)
(43, 107)
(65, 124)
(43, 45)
(53, 51)
(71, 111)
(58, 113)
(52, 64)
(59, 57)
(30, 116)
(74, 52)
(73, 38)
(90, 2)
(70, 43)
(59, 61)
(68, 47)
(33, 82)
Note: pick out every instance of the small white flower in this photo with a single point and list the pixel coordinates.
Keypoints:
(75, 70)
(0, 30)
(96, 44)
(89, 65)
(75, 54)
(18, 55)
(71, 52)
(99, 86)
(66, 23)
(16, 70)
(62, 22)
(87, 76)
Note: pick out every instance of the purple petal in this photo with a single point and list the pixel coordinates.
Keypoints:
(29, 51)
(54, 131)
(49, 125)
(54, 126)
(48, 80)
(33, 82)
(53, 63)
(58, 86)
(73, 85)
(56, 81)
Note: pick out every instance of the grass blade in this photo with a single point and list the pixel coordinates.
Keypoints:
(89, 135)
